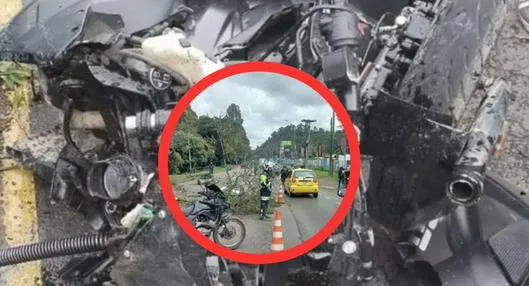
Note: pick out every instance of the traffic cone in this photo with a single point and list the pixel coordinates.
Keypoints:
(277, 234)
(280, 198)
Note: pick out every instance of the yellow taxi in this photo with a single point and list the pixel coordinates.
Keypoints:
(301, 182)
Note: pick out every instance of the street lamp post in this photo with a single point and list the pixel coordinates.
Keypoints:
(293, 146)
(189, 151)
(308, 122)
(331, 149)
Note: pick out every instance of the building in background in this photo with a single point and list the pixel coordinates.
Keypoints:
(323, 164)
(344, 161)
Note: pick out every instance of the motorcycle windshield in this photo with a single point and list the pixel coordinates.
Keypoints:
(47, 29)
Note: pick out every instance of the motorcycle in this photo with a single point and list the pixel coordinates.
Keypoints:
(214, 219)
(116, 68)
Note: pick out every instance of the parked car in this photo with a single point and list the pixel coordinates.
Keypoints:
(301, 182)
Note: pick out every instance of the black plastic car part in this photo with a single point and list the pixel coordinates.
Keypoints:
(504, 260)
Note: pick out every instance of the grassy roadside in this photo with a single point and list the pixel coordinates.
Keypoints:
(182, 178)
(18, 206)
(325, 174)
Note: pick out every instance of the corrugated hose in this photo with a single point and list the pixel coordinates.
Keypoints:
(54, 248)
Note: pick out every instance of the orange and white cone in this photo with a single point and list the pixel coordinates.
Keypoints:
(277, 234)
(280, 198)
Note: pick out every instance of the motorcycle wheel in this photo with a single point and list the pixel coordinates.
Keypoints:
(218, 233)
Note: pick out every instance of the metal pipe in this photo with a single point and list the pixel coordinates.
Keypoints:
(143, 121)
(466, 185)
(299, 44)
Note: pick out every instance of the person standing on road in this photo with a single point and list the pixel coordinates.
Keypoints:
(340, 176)
(266, 191)
(344, 182)
(284, 173)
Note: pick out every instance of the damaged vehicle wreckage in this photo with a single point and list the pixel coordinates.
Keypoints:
(404, 70)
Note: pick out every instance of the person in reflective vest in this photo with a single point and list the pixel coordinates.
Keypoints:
(266, 190)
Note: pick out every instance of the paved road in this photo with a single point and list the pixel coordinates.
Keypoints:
(302, 217)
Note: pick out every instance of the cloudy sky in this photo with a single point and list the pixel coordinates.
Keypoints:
(267, 101)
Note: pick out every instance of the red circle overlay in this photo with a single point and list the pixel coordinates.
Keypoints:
(273, 257)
